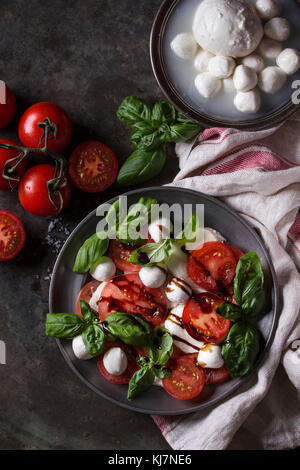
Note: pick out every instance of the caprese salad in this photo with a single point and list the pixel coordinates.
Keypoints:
(157, 313)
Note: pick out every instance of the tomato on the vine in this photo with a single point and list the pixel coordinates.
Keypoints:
(7, 109)
(5, 155)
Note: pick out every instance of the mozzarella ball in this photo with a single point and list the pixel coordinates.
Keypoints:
(271, 79)
(153, 276)
(210, 356)
(228, 85)
(248, 102)
(96, 296)
(160, 229)
(115, 361)
(184, 46)
(105, 269)
(267, 9)
(221, 66)
(207, 85)
(278, 29)
(269, 48)
(79, 349)
(289, 61)
(178, 291)
(201, 60)
(254, 62)
(244, 78)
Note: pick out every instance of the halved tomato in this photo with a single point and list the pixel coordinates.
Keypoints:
(93, 167)
(214, 376)
(86, 294)
(128, 294)
(187, 380)
(212, 266)
(201, 320)
(132, 366)
(12, 235)
(120, 254)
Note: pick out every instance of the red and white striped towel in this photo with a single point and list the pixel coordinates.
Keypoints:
(237, 167)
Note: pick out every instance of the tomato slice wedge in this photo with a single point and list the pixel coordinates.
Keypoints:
(93, 167)
(12, 235)
(214, 376)
(187, 380)
(236, 251)
(128, 294)
(212, 266)
(120, 254)
(201, 320)
(132, 366)
(86, 294)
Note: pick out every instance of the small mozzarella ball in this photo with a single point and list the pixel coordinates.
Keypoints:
(105, 269)
(202, 60)
(153, 276)
(184, 46)
(271, 79)
(289, 61)
(248, 102)
(221, 66)
(210, 356)
(228, 85)
(178, 291)
(244, 78)
(269, 48)
(267, 9)
(278, 29)
(79, 349)
(207, 85)
(254, 62)
(160, 229)
(115, 361)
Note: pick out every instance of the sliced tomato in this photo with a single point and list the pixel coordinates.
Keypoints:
(212, 266)
(93, 167)
(187, 380)
(12, 235)
(201, 320)
(236, 251)
(128, 294)
(86, 294)
(132, 366)
(214, 376)
(120, 254)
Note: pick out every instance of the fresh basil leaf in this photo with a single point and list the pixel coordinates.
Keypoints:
(254, 304)
(134, 109)
(94, 339)
(152, 253)
(161, 348)
(140, 382)
(131, 329)
(141, 166)
(92, 249)
(87, 312)
(163, 112)
(230, 311)
(142, 141)
(179, 132)
(162, 372)
(144, 361)
(189, 232)
(241, 349)
(64, 325)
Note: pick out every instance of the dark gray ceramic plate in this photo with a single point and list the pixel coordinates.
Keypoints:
(65, 286)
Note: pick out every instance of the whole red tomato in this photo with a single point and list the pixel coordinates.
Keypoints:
(8, 155)
(30, 133)
(33, 191)
(7, 109)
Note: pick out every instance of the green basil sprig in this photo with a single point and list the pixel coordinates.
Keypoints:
(90, 252)
(141, 166)
(64, 325)
(189, 232)
(153, 253)
(131, 329)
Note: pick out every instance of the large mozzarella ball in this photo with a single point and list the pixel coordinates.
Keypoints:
(254, 61)
(210, 356)
(278, 29)
(202, 60)
(115, 361)
(269, 48)
(221, 66)
(79, 349)
(228, 85)
(271, 79)
(227, 28)
(153, 276)
(160, 229)
(248, 102)
(267, 9)
(184, 46)
(289, 61)
(244, 78)
(207, 85)
(104, 270)
(178, 291)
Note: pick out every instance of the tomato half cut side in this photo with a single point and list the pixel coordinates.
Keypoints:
(201, 320)
(86, 294)
(132, 366)
(12, 235)
(93, 167)
(120, 254)
(212, 266)
(187, 380)
(214, 376)
(128, 294)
